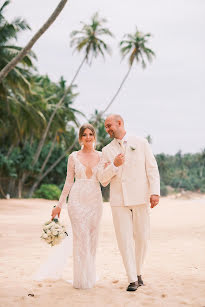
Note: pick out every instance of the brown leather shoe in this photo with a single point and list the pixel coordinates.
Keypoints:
(133, 286)
(140, 281)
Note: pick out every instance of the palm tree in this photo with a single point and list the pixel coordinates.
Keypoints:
(135, 46)
(45, 99)
(4, 72)
(18, 78)
(44, 172)
(149, 139)
(13, 90)
(87, 39)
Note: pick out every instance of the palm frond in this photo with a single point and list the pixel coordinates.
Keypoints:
(134, 45)
(3, 6)
(89, 38)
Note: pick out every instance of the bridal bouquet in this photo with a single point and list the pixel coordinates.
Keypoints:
(53, 232)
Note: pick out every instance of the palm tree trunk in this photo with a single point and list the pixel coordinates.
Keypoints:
(116, 94)
(11, 187)
(31, 140)
(50, 169)
(2, 191)
(49, 154)
(20, 184)
(42, 167)
(4, 72)
(10, 150)
(42, 141)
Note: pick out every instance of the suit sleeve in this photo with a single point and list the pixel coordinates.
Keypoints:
(105, 175)
(152, 170)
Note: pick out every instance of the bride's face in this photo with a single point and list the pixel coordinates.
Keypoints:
(88, 138)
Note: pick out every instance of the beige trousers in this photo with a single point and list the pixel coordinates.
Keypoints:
(132, 228)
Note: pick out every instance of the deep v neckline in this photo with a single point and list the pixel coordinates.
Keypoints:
(85, 165)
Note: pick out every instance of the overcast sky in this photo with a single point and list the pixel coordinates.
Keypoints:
(167, 99)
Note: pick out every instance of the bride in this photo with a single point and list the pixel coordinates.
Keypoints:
(84, 207)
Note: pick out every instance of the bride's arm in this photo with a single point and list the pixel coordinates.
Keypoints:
(67, 186)
(106, 170)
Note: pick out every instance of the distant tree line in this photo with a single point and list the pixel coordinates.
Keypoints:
(182, 172)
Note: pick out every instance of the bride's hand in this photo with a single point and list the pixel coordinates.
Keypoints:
(55, 211)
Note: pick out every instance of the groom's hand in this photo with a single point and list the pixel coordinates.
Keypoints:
(154, 200)
(119, 160)
(106, 164)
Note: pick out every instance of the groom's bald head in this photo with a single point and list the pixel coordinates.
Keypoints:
(114, 125)
(116, 117)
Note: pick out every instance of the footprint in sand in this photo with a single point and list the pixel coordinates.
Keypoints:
(115, 281)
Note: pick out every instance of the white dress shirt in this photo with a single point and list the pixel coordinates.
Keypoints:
(122, 142)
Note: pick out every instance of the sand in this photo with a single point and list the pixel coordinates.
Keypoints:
(174, 272)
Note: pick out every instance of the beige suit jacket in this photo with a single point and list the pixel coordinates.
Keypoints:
(138, 178)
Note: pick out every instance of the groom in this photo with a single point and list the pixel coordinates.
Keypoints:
(128, 164)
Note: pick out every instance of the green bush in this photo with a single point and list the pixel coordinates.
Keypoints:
(48, 191)
(163, 189)
(202, 189)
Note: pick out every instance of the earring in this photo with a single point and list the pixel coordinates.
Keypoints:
(93, 145)
(82, 146)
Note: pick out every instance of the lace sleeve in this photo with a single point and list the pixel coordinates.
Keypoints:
(105, 175)
(68, 182)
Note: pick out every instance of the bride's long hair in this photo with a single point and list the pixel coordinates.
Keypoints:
(83, 128)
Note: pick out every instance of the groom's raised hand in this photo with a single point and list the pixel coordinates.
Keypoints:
(119, 160)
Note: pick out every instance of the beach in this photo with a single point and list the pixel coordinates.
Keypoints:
(174, 271)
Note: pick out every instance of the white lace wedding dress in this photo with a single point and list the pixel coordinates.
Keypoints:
(85, 211)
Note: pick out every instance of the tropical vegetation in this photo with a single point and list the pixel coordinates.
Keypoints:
(39, 123)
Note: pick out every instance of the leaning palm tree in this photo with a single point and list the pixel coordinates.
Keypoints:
(135, 45)
(4, 72)
(18, 79)
(88, 39)
(13, 89)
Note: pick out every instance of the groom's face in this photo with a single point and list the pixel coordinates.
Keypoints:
(112, 127)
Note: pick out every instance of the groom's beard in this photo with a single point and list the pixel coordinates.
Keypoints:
(113, 134)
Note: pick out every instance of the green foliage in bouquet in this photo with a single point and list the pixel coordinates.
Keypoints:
(48, 191)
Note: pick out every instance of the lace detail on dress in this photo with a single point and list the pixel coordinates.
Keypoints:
(68, 182)
(85, 211)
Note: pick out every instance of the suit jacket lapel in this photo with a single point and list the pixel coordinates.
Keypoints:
(117, 146)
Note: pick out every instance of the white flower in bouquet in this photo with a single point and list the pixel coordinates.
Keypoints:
(45, 236)
(53, 232)
(49, 240)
